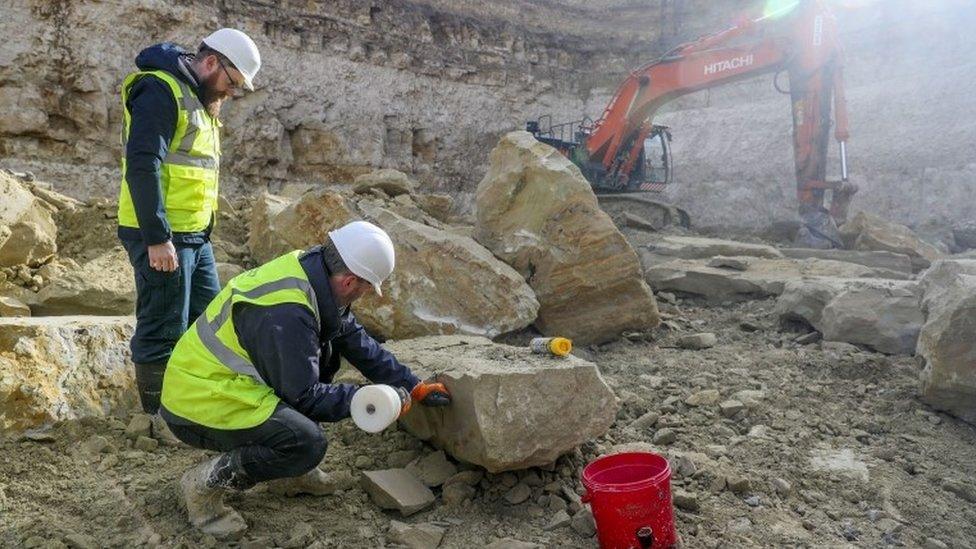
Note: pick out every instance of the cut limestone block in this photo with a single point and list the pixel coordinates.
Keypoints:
(537, 212)
(67, 367)
(397, 489)
(511, 409)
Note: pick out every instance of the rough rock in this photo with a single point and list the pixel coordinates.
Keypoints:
(227, 271)
(881, 314)
(30, 235)
(397, 489)
(537, 213)
(416, 536)
(697, 342)
(866, 231)
(517, 494)
(661, 249)
(510, 543)
(583, 523)
(510, 408)
(433, 469)
(946, 345)
(874, 259)
(57, 368)
(391, 182)
(438, 206)
(486, 297)
(102, 286)
(762, 277)
(11, 306)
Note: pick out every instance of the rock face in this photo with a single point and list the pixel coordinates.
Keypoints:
(58, 368)
(511, 409)
(443, 283)
(27, 230)
(869, 232)
(761, 277)
(102, 286)
(391, 182)
(946, 344)
(538, 214)
(881, 314)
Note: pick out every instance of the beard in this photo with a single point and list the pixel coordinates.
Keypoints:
(211, 98)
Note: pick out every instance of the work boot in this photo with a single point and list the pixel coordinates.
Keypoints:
(161, 432)
(203, 488)
(314, 483)
(149, 381)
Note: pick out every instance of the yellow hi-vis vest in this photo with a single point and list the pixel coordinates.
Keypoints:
(188, 178)
(210, 379)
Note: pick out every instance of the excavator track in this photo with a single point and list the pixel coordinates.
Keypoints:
(640, 211)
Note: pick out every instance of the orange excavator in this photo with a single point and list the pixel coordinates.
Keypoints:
(624, 153)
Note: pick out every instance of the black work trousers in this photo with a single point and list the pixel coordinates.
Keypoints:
(288, 444)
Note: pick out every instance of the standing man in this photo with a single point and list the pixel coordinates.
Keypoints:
(252, 377)
(171, 136)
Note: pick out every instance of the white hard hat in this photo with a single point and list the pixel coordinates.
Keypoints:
(366, 249)
(240, 50)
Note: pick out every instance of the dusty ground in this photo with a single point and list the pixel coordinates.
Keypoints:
(864, 463)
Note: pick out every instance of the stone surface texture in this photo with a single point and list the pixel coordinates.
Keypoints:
(58, 368)
(444, 283)
(866, 231)
(397, 489)
(881, 314)
(946, 345)
(102, 286)
(512, 409)
(536, 212)
(27, 230)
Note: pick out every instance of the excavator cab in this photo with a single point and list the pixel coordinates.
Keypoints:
(655, 171)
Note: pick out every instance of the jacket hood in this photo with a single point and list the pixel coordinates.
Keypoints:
(170, 58)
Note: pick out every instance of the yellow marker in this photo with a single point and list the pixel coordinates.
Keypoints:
(559, 346)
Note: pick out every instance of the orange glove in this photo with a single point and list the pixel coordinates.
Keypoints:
(431, 394)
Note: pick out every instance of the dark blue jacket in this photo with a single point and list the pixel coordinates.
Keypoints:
(153, 114)
(298, 357)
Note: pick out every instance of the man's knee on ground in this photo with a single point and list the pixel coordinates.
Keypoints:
(310, 446)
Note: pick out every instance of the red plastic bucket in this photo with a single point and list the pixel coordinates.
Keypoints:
(630, 496)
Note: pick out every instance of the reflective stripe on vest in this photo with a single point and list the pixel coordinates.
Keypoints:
(189, 173)
(207, 329)
(210, 378)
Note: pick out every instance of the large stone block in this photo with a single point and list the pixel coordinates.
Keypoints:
(538, 214)
(57, 368)
(946, 344)
(657, 248)
(444, 283)
(881, 314)
(759, 279)
(511, 409)
(899, 263)
(866, 231)
(30, 235)
(102, 286)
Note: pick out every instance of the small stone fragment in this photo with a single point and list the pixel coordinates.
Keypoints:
(518, 494)
(645, 422)
(731, 407)
(752, 501)
(782, 487)
(739, 485)
(697, 342)
(457, 493)
(708, 397)
(95, 444)
(397, 489)
(471, 477)
(559, 520)
(686, 501)
(416, 536)
(139, 426)
(583, 523)
(433, 469)
(146, 444)
(510, 543)
(664, 437)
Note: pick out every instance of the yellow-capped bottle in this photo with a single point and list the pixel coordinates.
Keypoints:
(558, 346)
